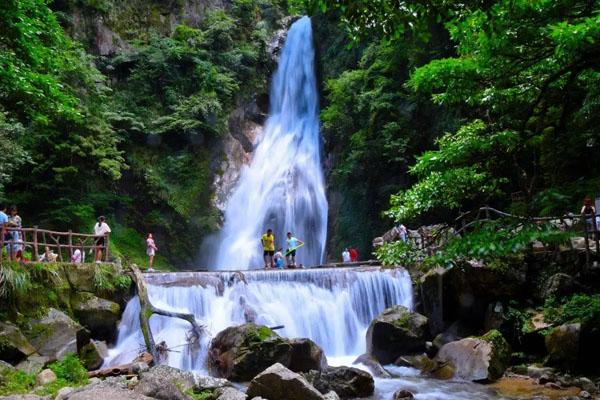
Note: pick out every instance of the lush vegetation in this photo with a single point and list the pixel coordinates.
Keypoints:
(502, 97)
(134, 134)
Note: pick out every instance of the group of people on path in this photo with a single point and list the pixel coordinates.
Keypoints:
(277, 259)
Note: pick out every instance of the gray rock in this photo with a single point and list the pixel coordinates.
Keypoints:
(158, 387)
(229, 393)
(55, 334)
(92, 354)
(33, 365)
(98, 315)
(585, 395)
(279, 383)
(476, 359)
(45, 377)
(64, 393)
(15, 346)
(163, 373)
(373, 365)
(559, 285)
(306, 355)
(536, 372)
(403, 394)
(101, 392)
(24, 397)
(395, 332)
(347, 382)
(205, 382)
(562, 344)
(331, 396)
(139, 367)
(4, 366)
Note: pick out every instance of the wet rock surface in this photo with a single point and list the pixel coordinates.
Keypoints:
(99, 316)
(15, 346)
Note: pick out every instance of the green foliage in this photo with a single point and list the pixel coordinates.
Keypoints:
(581, 308)
(14, 381)
(14, 279)
(399, 253)
(497, 243)
(70, 370)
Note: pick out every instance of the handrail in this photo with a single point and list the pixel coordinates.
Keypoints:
(67, 241)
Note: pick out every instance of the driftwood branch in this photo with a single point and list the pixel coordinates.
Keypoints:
(124, 369)
(147, 310)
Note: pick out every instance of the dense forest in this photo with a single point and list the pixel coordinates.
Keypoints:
(429, 109)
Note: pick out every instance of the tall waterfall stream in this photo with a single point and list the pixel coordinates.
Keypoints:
(282, 188)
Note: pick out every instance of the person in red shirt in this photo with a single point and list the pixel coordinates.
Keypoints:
(353, 254)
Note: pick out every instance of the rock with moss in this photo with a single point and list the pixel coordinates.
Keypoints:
(160, 387)
(279, 383)
(14, 346)
(55, 334)
(98, 315)
(33, 365)
(563, 345)
(241, 352)
(396, 332)
(229, 393)
(482, 358)
(92, 355)
(184, 380)
(306, 355)
(347, 382)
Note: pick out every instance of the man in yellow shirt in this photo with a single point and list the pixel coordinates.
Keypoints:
(268, 243)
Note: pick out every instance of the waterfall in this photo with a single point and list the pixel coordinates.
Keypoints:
(283, 187)
(333, 307)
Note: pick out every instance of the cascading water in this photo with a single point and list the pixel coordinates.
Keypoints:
(333, 307)
(283, 187)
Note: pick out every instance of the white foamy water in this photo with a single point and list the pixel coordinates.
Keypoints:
(333, 307)
(283, 187)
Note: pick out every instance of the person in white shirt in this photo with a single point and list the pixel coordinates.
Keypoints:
(150, 251)
(101, 229)
(76, 257)
(346, 255)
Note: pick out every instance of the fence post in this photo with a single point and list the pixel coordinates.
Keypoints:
(106, 243)
(36, 254)
(70, 238)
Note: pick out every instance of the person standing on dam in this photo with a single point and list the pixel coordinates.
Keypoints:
(268, 243)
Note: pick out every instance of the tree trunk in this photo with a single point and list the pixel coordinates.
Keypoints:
(147, 310)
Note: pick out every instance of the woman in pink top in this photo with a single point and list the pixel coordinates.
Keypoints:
(150, 250)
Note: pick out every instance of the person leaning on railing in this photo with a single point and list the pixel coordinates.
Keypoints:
(101, 229)
(4, 235)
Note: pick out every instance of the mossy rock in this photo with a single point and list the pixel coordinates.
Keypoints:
(241, 352)
(14, 346)
(98, 315)
(396, 332)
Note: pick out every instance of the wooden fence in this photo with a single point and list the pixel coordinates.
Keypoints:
(65, 243)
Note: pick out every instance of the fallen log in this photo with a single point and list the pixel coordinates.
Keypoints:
(147, 310)
(124, 369)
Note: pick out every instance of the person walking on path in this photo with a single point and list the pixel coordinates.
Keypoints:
(293, 244)
(101, 229)
(14, 222)
(150, 251)
(3, 225)
(588, 211)
(402, 233)
(268, 244)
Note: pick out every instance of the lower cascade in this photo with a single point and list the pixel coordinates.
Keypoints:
(333, 307)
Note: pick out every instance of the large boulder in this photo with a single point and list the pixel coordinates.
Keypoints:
(55, 334)
(183, 380)
(476, 359)
(98, 315)
(347, 382)
(279, 383)
(241, 352)
(106, 390)
(156, 386)
(14, 346)
(229, 393)
(559, 285)
(395, 332)
(563, 344)
(432, 298)
(306, 355)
